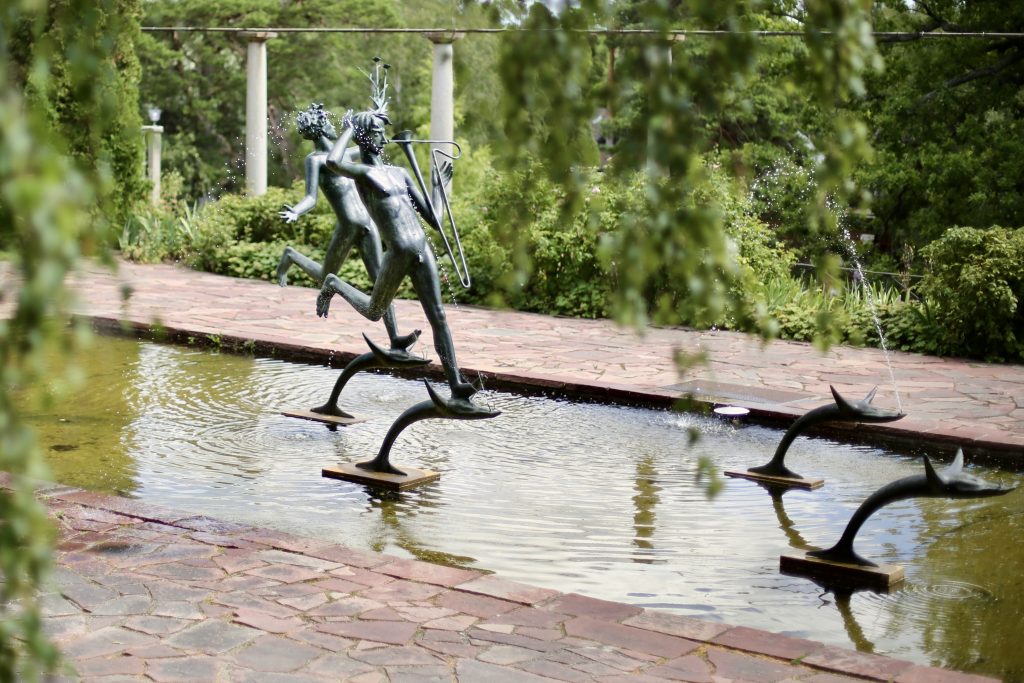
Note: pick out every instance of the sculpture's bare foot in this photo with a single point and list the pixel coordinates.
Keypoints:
(330, 409)
(404, 341)
(463, 390)
(323, 301)
(459, 406)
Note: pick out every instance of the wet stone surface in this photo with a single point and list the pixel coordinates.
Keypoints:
(177, 612)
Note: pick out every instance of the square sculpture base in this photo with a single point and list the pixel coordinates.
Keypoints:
(326, 419)
(882, 577)
(393, 482)
(797, 482)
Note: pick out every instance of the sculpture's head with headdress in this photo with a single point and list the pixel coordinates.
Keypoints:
(369, 125)
(314, 122)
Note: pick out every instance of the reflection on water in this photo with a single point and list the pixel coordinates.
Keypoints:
(601, 500)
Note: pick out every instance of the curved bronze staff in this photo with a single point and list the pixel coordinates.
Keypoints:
(405, 141)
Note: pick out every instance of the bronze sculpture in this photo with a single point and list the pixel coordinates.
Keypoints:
(841, 410)
(353, 228)
(396, 204)
(952, 482)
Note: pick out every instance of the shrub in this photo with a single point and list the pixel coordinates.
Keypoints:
(255, 219)
(974, 286)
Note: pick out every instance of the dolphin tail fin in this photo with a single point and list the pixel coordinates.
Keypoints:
(933, 477)
(840, 401)
(958, 463)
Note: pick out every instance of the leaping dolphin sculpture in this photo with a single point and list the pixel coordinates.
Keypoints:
(841, 411)
(952, 482)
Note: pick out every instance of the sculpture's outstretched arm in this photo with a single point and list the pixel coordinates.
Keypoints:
(306, 204)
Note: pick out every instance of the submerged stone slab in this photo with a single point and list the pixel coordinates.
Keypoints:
(883, 577)
(393, 482)
(325, 419)
(795, 482)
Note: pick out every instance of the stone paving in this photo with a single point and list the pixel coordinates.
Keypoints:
(949, 402)
(142, 593)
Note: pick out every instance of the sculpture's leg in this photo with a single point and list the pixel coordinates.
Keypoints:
(337, 251)
(371, 306)
(427, 285)
(342, 241)
(372, 254)
(292, 257)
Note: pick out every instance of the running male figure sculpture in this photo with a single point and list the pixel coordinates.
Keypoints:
(353, 226)
(393, 201)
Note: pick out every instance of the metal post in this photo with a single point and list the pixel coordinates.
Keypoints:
(256, 111)
(154, 135)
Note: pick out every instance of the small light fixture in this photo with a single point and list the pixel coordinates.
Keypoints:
(734, 413)
(154, 114)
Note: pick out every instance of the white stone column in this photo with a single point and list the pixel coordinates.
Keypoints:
(154, 135)
(442, 90)
(659, 57)
(256, 111)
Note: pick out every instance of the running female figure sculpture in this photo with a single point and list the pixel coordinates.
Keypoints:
(353, 227)
(393, 201)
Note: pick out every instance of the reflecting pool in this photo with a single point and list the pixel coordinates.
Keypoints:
(595, 499)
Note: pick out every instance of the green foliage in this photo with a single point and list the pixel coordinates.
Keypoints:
(913, 326)
(89, 92)
(681, 264)
(198, 79)
(968, 266)
(51, 206)
(257, 219)
(946, 119)
(258, 261)
(571, 269)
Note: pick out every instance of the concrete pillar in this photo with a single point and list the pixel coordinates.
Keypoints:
(659, 58)
(256, 111)
(442, 90)
(154, 135)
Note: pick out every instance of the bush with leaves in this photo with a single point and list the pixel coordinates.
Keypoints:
(974, 286)
(59, 140)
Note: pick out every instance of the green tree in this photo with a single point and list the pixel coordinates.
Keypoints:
(54, 194)
(946, 117)
(198, 80)
(664, 104)
(89, 90)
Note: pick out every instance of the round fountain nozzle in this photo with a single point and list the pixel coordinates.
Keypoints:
(731, 412)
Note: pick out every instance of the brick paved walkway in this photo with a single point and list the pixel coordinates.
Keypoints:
(142, 593)
(950, 402)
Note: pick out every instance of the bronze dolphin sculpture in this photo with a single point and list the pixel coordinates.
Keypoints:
(841, 411)
(952, 482)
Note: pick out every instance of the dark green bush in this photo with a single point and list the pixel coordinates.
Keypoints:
(255, 219)
(973, 286)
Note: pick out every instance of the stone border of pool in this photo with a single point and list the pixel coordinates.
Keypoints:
(142, 591)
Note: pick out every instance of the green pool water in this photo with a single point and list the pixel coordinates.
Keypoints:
(595, 499)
